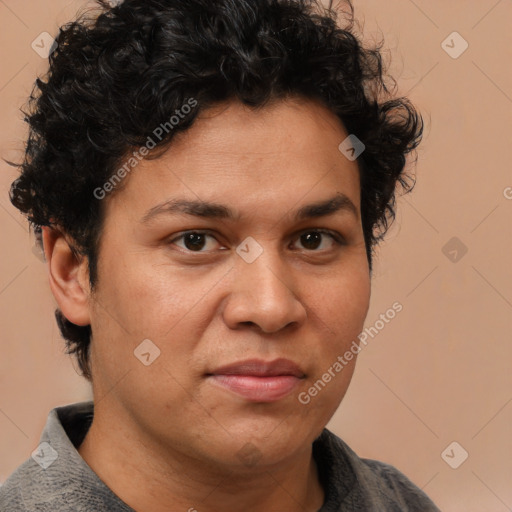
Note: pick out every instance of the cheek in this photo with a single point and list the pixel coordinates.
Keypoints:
(150, 296)
(341, 306)
(342, 302)
(325, 391)
(341, 309)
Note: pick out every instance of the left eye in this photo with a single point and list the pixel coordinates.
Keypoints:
(193, 240)
(312, 240)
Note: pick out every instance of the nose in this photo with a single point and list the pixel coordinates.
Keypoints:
(263, 295)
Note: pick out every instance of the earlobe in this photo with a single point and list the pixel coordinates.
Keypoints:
(67, 276)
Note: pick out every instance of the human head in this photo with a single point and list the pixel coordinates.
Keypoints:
(117, 76)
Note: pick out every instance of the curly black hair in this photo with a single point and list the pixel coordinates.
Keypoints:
(118, 73)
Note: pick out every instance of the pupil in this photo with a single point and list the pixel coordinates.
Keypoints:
(311, 240)
(194, 241)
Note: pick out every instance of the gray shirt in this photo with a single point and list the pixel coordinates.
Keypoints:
(56, 478)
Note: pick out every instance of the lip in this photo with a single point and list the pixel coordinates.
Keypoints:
(257, 380)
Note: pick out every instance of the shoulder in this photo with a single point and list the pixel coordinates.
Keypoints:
(10, 496)
(18, 491)
(43, 486)
(375, 485)
(388, 483)
(55, 478)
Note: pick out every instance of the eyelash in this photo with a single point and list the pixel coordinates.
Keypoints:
(335, 236)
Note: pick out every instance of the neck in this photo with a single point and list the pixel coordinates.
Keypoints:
(149, 477)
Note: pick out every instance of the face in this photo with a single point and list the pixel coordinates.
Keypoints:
(240, 255)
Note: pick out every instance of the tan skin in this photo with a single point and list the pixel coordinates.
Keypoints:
(164, 437)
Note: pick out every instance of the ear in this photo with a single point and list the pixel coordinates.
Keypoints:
(68, 276)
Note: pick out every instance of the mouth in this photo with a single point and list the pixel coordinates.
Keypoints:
(259, 381)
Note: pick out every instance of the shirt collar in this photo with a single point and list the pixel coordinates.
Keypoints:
(69, 476)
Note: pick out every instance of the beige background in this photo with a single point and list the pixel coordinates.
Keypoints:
(440, 371)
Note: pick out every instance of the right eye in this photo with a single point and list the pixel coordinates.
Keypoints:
(193, 241)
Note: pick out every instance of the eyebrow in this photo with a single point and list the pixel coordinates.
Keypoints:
(204, 209)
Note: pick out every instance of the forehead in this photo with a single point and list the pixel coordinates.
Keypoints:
(292, 127)
(252, 158)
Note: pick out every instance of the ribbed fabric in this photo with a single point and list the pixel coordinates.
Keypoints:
(68, 484)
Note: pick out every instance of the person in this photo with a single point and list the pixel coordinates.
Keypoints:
(209, 180)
